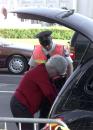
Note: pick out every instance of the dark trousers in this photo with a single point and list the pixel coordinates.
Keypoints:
(20, 111)
(44, 111)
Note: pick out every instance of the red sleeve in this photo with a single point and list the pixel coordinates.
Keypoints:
(41, 79)
(48, 90)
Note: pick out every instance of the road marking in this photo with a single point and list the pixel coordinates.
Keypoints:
(4, 84)
(7, 91)
(11, 75)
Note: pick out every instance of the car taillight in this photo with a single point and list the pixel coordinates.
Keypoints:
(72, 55)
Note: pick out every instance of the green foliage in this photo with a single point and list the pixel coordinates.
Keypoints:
(58, 33)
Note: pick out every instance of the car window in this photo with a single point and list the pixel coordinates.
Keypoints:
(79, 44)
(82, 46)
(79, 40)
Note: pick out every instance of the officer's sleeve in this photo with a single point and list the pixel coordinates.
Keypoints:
(49, 90)
(31, 62)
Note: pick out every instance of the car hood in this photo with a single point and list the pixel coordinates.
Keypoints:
(23, 46)
(63, 17)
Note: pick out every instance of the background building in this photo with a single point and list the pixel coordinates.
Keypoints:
(81, 6)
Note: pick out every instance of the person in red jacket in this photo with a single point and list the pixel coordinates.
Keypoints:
(36, 87)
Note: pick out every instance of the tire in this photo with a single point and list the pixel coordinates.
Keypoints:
(82, 124)
(17, 64)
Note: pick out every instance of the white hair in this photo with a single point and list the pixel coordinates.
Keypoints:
(59, 63)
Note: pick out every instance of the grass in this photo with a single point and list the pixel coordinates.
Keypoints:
(35, 41)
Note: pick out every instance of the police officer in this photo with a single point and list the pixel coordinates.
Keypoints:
(48, 48)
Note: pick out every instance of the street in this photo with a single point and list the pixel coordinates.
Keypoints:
(8, 84)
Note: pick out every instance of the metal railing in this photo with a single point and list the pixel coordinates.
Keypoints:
(36, 121)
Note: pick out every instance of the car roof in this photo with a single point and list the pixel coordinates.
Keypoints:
(64, 17)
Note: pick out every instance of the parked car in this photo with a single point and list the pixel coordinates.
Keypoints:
(74, 103)
(14, 56)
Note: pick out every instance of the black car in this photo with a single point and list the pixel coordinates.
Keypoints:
(74, 103)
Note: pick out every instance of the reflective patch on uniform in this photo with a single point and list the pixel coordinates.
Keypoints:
(40, 61)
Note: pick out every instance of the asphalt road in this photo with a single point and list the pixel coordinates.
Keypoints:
(8, 84)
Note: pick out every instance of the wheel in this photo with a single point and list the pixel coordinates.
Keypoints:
(17, 64)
